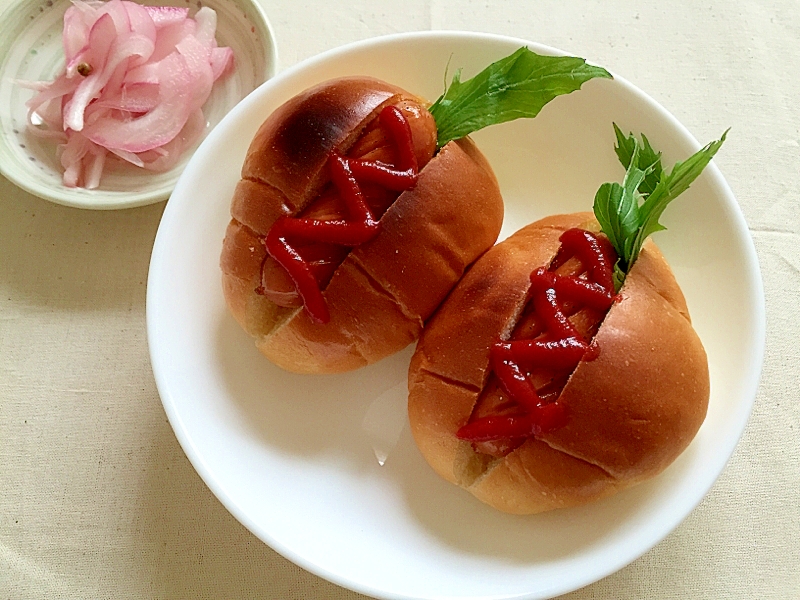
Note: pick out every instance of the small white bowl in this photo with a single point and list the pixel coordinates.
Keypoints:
(30, 49)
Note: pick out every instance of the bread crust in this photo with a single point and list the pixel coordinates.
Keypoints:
(291, 148)
(385, 289)
(632, 410)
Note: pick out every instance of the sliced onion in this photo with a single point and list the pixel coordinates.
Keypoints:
(169, 36)
(134, 80)
(59, 88)
(102, 37)
(131, 157)
(116, 9)
(158, 126)
(141, 22)
(167, 156)
(78, 20)
(164, 16)
(134, 98)
(146, 73)
(206, 20)
(221, 61)
(198, 62)
(96, 160)
(72, 154)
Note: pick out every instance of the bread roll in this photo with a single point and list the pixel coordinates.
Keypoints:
(385, 289)
(631, 410)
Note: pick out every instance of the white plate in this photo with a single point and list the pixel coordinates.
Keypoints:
(294, 457)
(31, 50)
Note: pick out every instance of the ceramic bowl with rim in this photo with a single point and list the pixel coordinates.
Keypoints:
(31, 50)
(324, 468)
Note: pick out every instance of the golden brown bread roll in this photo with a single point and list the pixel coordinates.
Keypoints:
(384, 289)
(633, 404)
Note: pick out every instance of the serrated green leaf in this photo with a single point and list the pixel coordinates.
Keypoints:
(625, 146)
(649, 160)
(606, 201)
(644, 178)
(515, 87)
(617, 208)
(669, 188)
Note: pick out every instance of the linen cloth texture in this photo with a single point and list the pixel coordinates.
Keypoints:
(97, 499)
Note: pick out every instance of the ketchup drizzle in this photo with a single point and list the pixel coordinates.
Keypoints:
(560, 347)
(360, 225)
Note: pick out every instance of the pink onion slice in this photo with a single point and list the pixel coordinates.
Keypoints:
(221, 61)
(102, 37)
(117, 10)
(134, 80)
(169, 36)
(140, 21)
(72, 154)
(146, 73)
(168, 155)
(167, 15)
(78, 20)
(95, 161)
(198, 62)
(134, 98)
(55, 89)
(122, 48)
(158, 126)
(206, 20)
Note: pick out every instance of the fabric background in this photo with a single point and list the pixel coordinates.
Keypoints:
(97, 499)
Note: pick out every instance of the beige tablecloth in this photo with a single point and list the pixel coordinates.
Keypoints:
(97, 499)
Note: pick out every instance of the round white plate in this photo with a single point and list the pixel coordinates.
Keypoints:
(31, 50)
(298, 459)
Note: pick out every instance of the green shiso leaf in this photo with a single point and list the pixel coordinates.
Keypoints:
(514, 87)
(629, 213)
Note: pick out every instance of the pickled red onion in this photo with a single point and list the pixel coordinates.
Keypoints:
(134, 81)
